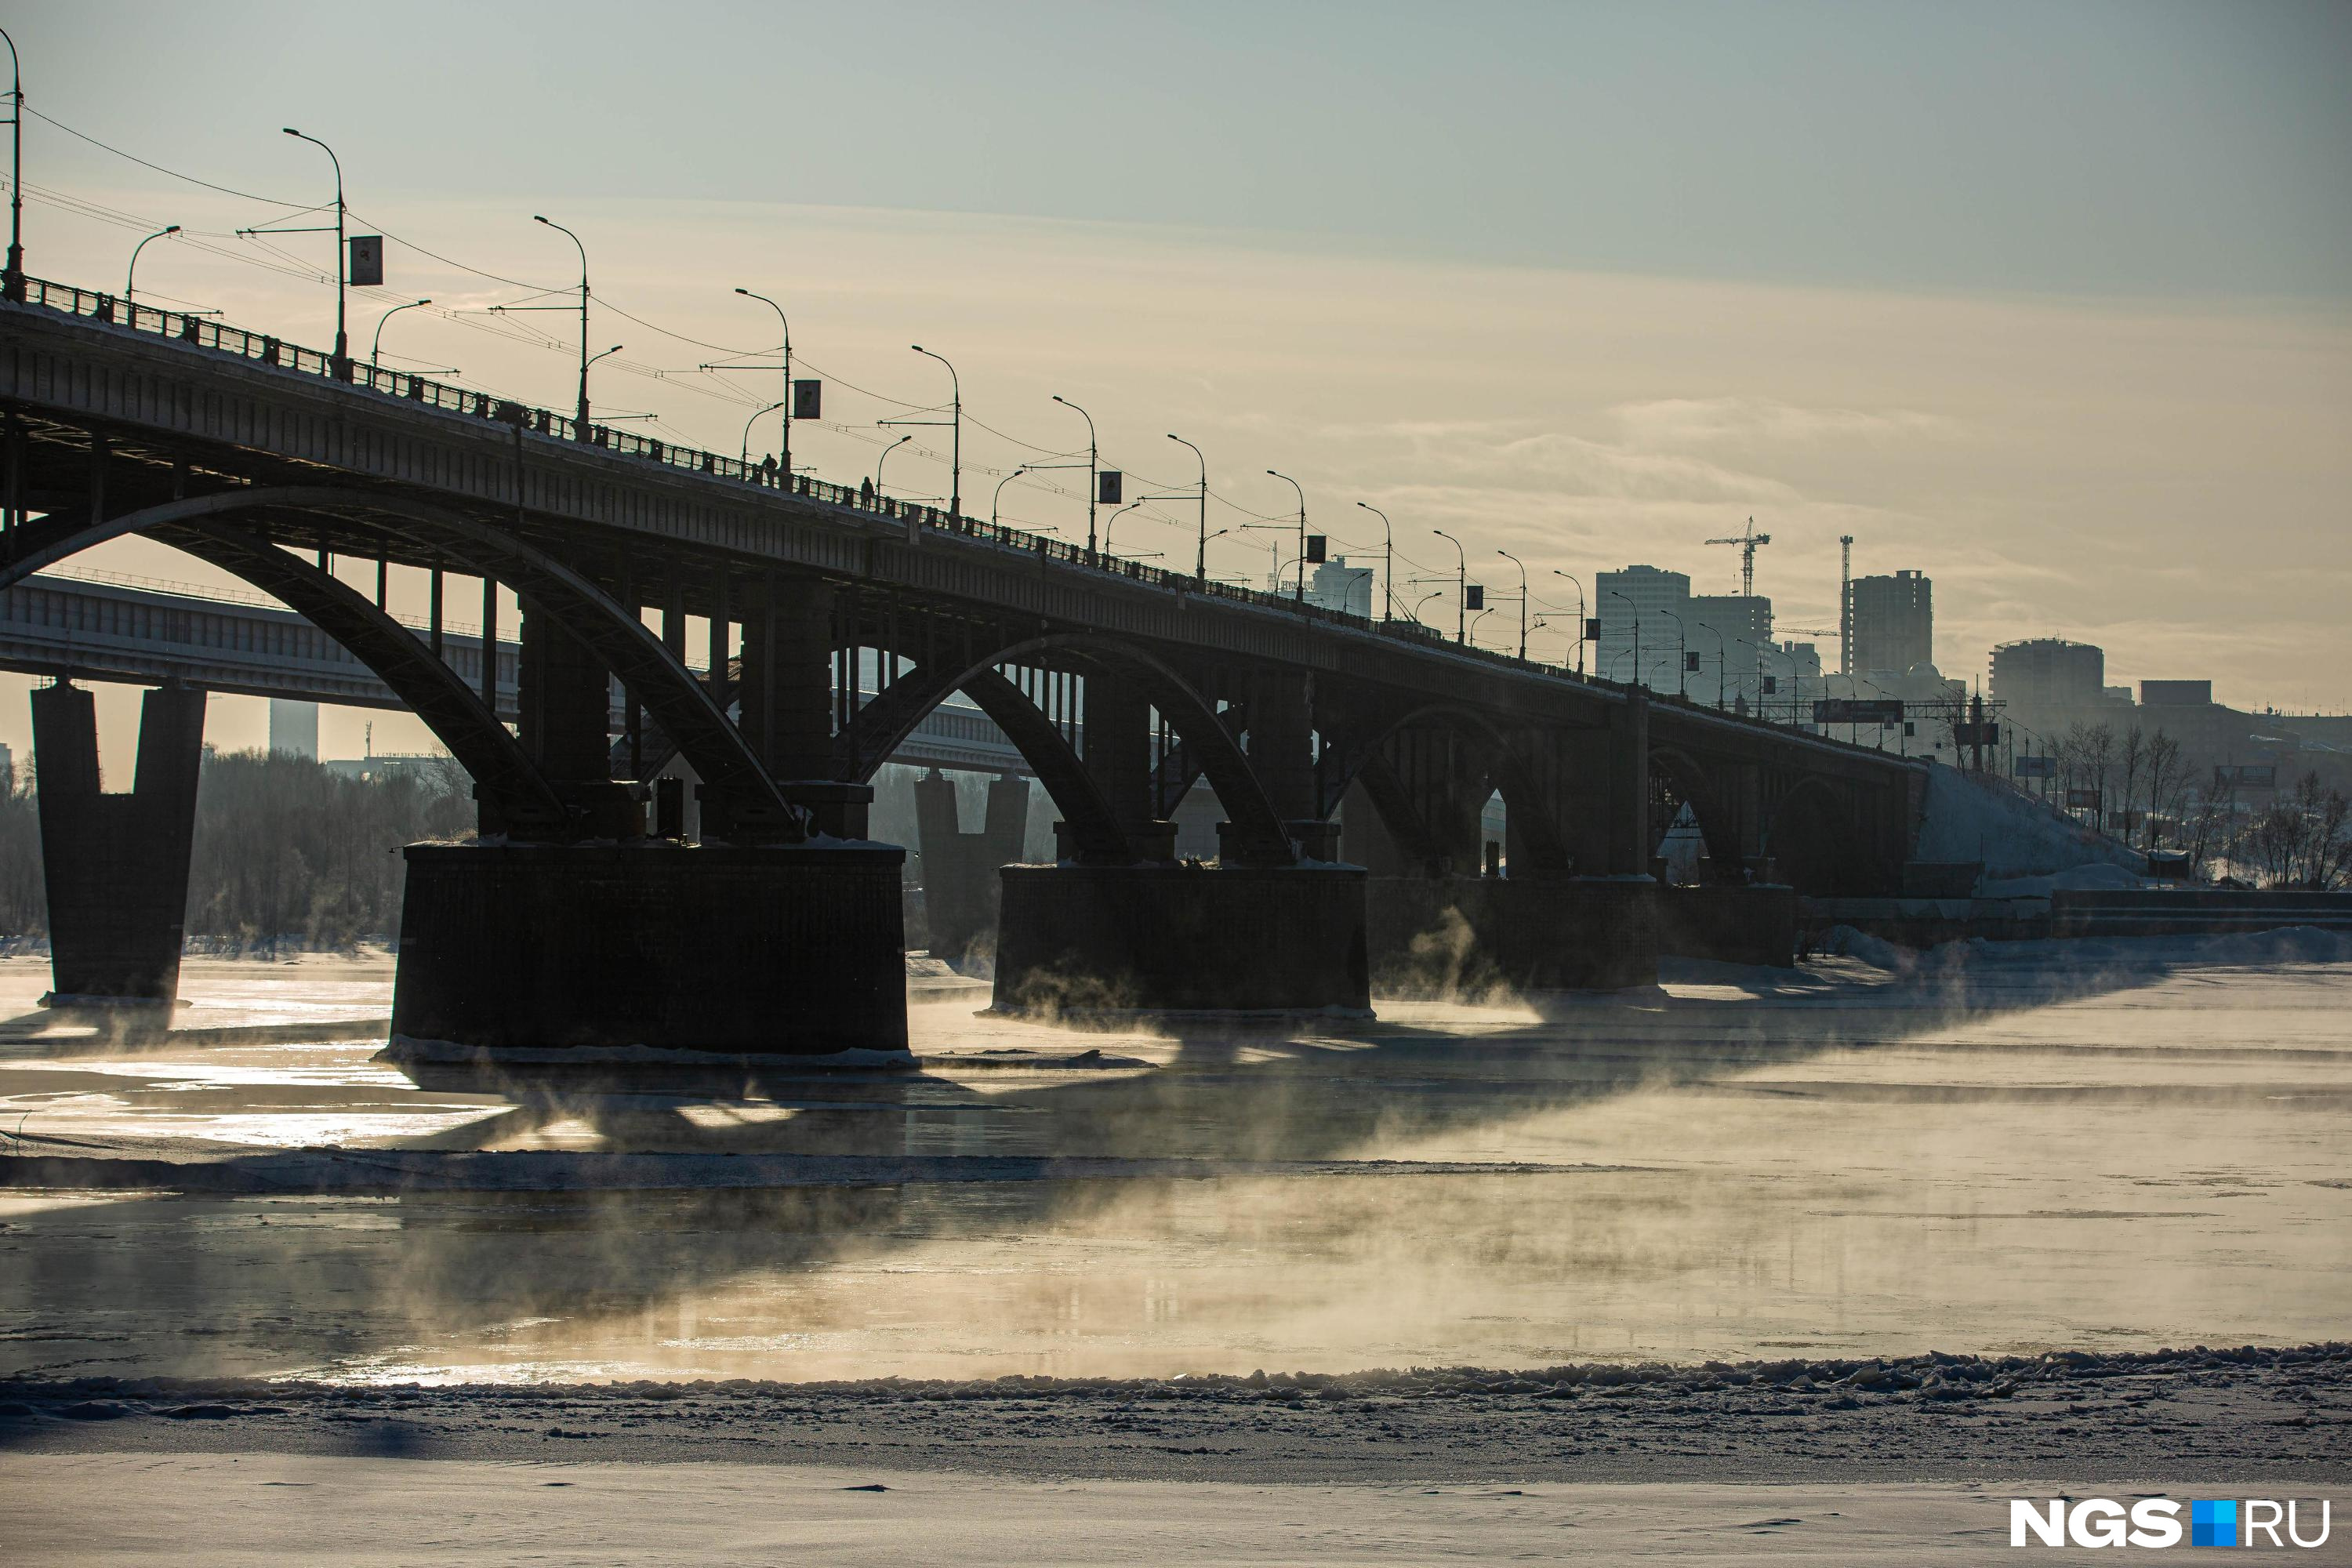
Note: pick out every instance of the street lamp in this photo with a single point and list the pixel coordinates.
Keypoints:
(1294, 484)
(884, 459)
(745, 456)
(1111, 524)
(1637, 637)
(1580, 618)
(997, 499)
(1722, 657)
(1461, 586)
(342, 271)
(580, 431)
(1094, 461)
(1201, 560)
(1387, 571)
(955, 440)
(1522, 597)
(131, 276)
(1473, 639)
(11, 281)
(1414, 614)
(375, 352)
(785, 440)
(1681, 654)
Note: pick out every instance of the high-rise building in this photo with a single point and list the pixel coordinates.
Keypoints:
(1337, 585)
(294, 727)
(2048, 673)
(1893, 622)
(1634, 609)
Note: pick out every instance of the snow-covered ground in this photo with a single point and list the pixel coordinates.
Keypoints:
(1972, 818)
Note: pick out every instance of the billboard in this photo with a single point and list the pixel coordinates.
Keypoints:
(1984, 734)
(367, 261)
(2245, 775)
(2036, 768)
(1882, 711)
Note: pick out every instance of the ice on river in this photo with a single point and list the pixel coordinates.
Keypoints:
(1996, 1149)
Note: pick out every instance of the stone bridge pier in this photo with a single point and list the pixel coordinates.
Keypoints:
(1570, 904)
(115, 865)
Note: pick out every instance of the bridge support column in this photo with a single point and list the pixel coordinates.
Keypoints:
(1119, 757)
(563, 692)
(787, 697)
(116, 866)
(1281, 749)
(1106, 941)
(557, 953)
(960, 882)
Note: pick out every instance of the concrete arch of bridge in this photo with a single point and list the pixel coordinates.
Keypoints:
(1812, 839)
(679, 702)
(1533, 823)
(885, 723)
(1692, 785)
(511, 785)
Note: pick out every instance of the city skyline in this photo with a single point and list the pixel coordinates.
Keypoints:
(2156, 467)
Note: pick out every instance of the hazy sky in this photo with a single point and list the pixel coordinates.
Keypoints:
(2051, 301)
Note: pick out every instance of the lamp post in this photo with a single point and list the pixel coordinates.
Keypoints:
(784, 454)
(1111, 524)
(580, 431)
(1201, 560)
(1460, 586)
(1722, 657)
(11, 281)
(1473, 639)
(1580, 618)
(1681, 654)
(1414, 614)
(1388, 570)
(131, 275)
(745, 456)
(1300, 598)
(998, 499)
(376, 351)
(1522, 597)
(1094, 462)
(342, 271)
(884, 459)
(955, 438)
(1637, 636)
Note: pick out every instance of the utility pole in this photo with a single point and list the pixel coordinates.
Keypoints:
(1523, 598)
(1093, 465)
(1387, 571)
(785, 438)
(1460, 586)
(1294, 484)
(581, 418)
(1201, 559)
(955, 438)
(12, 282)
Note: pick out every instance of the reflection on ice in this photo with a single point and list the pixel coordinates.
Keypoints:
(2000, 1155)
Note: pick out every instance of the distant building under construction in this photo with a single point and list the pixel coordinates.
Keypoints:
(1893, 622)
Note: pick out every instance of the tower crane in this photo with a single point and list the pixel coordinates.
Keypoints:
(1747, 543)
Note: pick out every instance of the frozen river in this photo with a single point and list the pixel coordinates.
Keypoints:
(2120, 1147)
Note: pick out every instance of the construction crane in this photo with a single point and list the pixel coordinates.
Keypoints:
(1747, 543)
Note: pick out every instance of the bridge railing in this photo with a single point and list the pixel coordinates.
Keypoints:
(205, 333)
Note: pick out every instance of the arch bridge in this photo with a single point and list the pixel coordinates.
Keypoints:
(844, 619)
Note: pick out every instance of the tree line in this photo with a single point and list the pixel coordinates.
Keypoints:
(285, 850)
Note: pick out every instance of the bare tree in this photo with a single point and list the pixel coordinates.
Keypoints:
(2133, 758)
(2167, 780)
